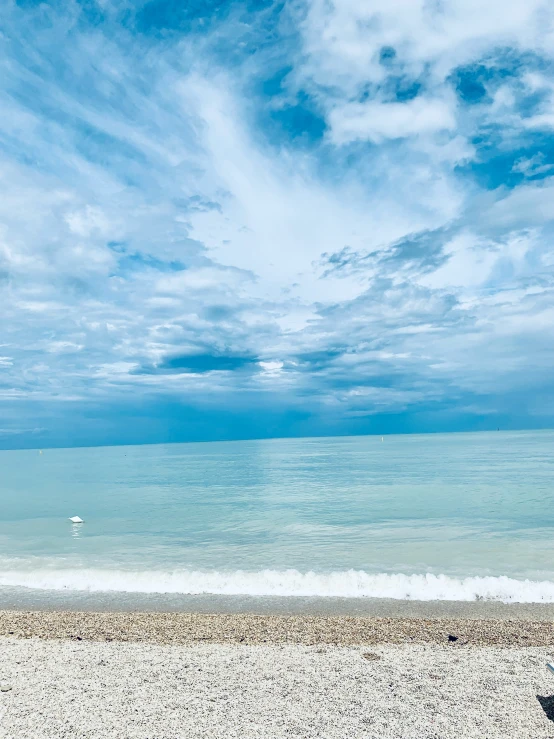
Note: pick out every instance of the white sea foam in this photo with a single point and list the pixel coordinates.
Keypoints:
(347, 584)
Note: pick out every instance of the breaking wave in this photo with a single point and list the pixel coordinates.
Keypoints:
(345, 584)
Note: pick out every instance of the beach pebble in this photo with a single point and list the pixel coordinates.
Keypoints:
(4, 688)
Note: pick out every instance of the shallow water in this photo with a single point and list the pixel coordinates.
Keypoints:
(454, 516)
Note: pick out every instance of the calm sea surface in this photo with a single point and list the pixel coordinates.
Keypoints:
(454, 516)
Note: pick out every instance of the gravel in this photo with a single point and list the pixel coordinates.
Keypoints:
(69, 688)
(194, 628)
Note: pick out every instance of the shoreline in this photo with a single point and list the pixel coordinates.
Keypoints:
(26, 599)
(253, 629)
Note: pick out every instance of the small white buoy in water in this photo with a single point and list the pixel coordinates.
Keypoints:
(76, 519)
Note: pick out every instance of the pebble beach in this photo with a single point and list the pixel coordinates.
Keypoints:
(255, 629)
(169, 675)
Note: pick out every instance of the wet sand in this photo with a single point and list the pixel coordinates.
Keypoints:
(27, 599)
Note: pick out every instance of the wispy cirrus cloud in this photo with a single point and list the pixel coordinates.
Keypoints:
(339, 213)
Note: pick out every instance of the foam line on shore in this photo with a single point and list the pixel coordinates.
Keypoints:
(345, 584)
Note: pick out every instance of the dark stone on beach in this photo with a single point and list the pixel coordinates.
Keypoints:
(371, 655)
(452, 638)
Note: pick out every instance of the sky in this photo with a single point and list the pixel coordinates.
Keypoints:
(225, 220)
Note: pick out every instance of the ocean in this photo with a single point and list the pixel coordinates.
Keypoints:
(459, 517)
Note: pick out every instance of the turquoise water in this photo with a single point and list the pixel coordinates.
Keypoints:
(454, 516)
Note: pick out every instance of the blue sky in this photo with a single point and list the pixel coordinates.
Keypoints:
(230, 220)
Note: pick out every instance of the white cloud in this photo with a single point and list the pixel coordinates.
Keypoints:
(376, 121)
(343, 39)
(149, 211)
